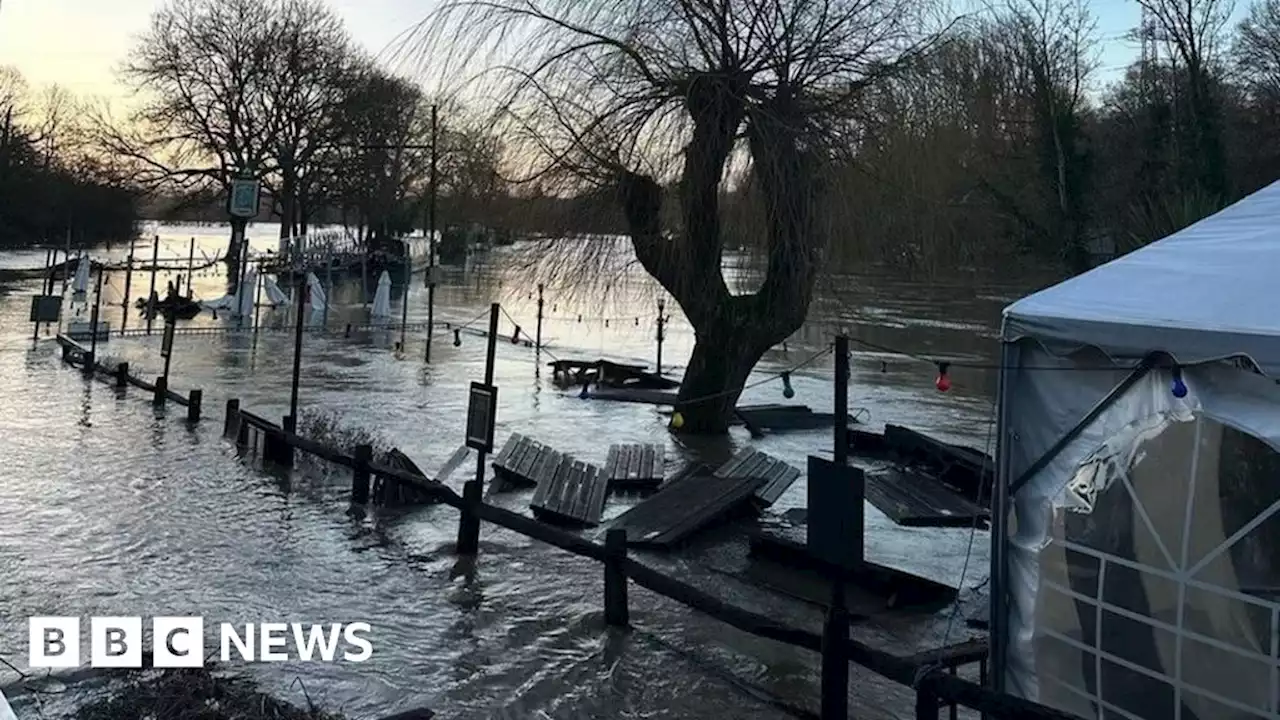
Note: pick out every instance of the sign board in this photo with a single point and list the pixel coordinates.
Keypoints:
(166, 345)
(836, 523)
(45, 308)
(242, 201)
(481, 413)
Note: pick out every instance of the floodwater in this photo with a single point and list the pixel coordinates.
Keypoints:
(112, 507)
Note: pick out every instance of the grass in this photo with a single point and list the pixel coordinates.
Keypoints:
(194, 694)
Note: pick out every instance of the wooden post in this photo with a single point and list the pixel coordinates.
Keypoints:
(194, 398)
(285, 450)
(469, 523)
(431, 234)
(927, 704)
(538, 337)
(835, 658)
(66, 265)
(616, 612)
(155, 263)
(122, 375)
(92, 361)
(191, 264)
(662, 309)
(231, 421)
(361, 474)
(842, 401)
(128, 284)
(162, 387)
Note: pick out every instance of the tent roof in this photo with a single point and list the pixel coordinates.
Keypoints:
(1207, 292)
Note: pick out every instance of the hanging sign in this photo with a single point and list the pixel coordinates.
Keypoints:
(481, 413)
(242, 201)
(166, 345)
(45, 308)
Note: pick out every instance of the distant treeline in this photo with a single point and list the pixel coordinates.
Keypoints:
(52, 184)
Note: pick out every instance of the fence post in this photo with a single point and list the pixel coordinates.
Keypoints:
(928, 707)
(162, 387)
(122, 375)
(616, 612)
(835, 657)
(194, 398)
(231, 418)
(469, 523)
(290, 425)
(360, 476)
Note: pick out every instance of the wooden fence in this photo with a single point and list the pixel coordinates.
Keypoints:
(76, 354)
(931, 674)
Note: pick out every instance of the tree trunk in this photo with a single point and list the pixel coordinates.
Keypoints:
(234, 253)
(732, 331)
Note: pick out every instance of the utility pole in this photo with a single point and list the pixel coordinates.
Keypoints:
(431, 235)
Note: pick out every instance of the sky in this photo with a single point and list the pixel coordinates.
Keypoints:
(80, 44)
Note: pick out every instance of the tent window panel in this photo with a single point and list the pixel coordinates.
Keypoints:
(1227, 674)
(1136, 692)
(1135, 641)
(1159, 474)
(1237, 619)
(1059, 609)
(1142, 592)
(1210, 709)
(1063, 662)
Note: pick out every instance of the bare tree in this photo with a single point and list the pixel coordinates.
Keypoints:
(1194, 31)
(1257, 50)
(303, 96)
(637, 94)
(201, 69)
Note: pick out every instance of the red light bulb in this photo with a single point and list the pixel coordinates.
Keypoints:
(943, 383)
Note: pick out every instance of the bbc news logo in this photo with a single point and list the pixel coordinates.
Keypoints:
(179, 642)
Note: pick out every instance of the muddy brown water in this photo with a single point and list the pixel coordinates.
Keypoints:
(115, 508)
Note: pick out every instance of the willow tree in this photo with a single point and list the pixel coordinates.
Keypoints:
(662, 101)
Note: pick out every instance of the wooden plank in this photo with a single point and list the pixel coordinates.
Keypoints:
(682, 509)
(780, 478)
(633, 466)
(634, 395)
(454, 462)
(570, 491)
(776, 476)
(505, 454)
(966, 469)
(913, 499)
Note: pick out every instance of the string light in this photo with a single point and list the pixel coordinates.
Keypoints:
(787, 391)
(515, 336)
(1179, 387)
(586, 391)
(677, 420)
(457, 337)
(943, 383)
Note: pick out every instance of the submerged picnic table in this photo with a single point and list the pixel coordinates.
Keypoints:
(610, 374)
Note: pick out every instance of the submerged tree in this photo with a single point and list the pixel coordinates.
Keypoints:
(638, 95)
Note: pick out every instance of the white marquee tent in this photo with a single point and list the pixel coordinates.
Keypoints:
(1136, 567)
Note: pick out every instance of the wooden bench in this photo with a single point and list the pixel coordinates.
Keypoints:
(72, 351)
(776, 475)
(516, 461)
(569, 491)
(912, 499)
(634, 466)
(387, 492)
(685, 507)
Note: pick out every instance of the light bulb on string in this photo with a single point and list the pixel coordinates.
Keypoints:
(579, 318)
(515, 336)
(787, 391)
(457, 338)
(884, 366)
(606, 322)
(586, 391)
(1179, 387)
(677, 420)
(943, 383)
(637, 322)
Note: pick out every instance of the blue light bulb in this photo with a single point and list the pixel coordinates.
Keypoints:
(1179, 387)
(787, 391)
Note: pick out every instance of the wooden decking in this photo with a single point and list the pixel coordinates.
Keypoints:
(570, 491)
(784, 417)
(635, 467)
(912, 499)
(776, 476)
(684, 507)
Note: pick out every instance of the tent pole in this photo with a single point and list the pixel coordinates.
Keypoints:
(996, 618)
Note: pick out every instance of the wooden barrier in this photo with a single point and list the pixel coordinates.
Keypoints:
(76, 355)
(926, 673)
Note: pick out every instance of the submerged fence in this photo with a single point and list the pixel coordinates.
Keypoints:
(931, 674)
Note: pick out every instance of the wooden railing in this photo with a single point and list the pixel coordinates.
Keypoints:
(77, 355)
(932, 674)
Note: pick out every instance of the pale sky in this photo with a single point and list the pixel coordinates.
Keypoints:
(80, 43)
